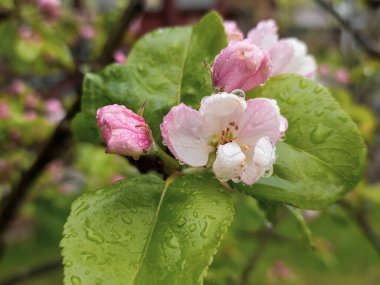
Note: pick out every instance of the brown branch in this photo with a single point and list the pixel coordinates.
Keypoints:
(366, 46)
(32, 272)
(360, 216)
(62, 137)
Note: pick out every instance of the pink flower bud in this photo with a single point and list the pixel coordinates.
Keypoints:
(241, 65)
(54, 110)
(233, 32)
(123, 131)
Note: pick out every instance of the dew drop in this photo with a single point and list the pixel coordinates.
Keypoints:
(195, 214)
(82, 207)
(318, 113)
(318, 89)
(320, 134)
(292, 100)
(91, 234)
(126, 219)
(133, 210)
(239, 93)
(68, 263)
(181, 221)
(303, 83)
(75, 280)
(203, 232)
(192, 227)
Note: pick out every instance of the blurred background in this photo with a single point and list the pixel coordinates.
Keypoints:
(45, 48)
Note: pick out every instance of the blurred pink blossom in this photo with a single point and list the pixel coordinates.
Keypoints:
(17, 86)
(343, 76)
(233, 32)
(87, 32)
(117, 177)
(31, 101)
(5, 111)
(324, 69)
(50, 8)
(119, 57)
(54, 110)
(30, 115)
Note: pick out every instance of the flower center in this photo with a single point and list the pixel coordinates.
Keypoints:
(228, 134)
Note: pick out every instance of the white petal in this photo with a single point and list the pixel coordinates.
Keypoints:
(182, 133)
(264, 153)
(264, 34)
(230, 162)
(262, 160)
(218, 110)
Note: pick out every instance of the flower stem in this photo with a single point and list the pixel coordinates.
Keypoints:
(170, 164)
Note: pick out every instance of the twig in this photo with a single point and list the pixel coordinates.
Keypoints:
(369, 48)
(62, 136)
(252, 261)
(360, 215)
(38, 270)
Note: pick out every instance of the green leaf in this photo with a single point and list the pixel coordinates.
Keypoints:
(323, 154)
(145, 231)
(164, 68)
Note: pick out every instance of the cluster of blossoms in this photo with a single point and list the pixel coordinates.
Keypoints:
(234, 136)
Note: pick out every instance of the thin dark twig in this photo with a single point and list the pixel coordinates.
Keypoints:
(252, 262)
(360, 216)
(368, 47)
(62, 137)
(32, 272)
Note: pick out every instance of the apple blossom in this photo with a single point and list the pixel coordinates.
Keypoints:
(241, 65)
(123, 131)
(242, 133)
(288, 55)
(5, 111)
(54, 110)
(233, 32)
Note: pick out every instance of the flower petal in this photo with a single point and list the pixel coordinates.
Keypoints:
(264, 34)
(230, 162)
(218, 110)
(182, 133)
(290, 56)
(262, 160)
(261, 119)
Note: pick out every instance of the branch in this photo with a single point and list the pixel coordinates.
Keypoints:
(62, 137)
(361, 218)
(367, 47)
(38, 270)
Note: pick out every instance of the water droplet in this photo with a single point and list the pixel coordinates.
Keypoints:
(203, 232)
(133, 210)
(303, 83)
(195, 214)
(68, 263)
(318, 89)
(318, 113)
(239, 93)
(192, 227)
(75, 280)
(292, 100)
(126, 219)
(342, 118)
(320, 134)
(82, 207)
(181, 221)
(91, 234)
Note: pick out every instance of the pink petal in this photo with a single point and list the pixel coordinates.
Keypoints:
(182, 134)
(233, 32)
(261, 119)
(264, 34)
(218, 110)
